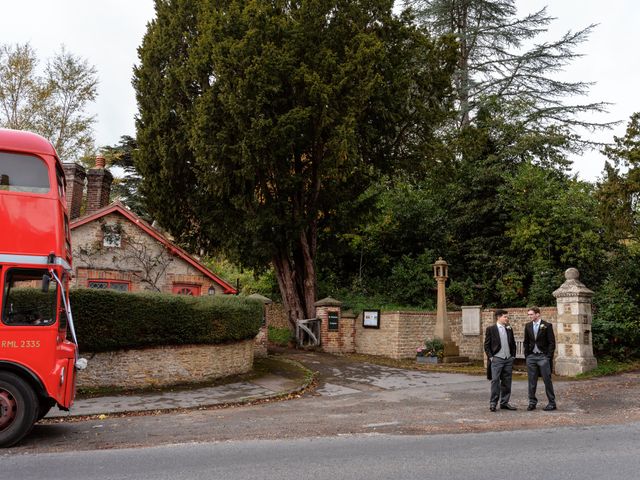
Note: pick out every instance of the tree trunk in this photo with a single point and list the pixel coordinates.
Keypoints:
(296, 276)
(308, 280)
(286, 274)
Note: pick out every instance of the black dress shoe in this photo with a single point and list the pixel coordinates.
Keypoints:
(531, 407)
(506, 406)
(492, 408)
(548, 408)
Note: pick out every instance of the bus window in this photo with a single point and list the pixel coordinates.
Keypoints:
(67, 233)
(24, 302)
(23, 173)
(60, 181)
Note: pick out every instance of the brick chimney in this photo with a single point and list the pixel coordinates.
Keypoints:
(98, 186)
(74, 179)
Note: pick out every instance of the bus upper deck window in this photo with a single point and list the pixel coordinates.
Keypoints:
(23, 173)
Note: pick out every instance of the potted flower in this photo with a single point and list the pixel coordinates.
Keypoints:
(431, 352)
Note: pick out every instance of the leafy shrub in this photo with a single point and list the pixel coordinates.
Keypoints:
(411, 281)
(432, 348)
(616, 322)
(279, 336)
(462, 293)
(107, 320)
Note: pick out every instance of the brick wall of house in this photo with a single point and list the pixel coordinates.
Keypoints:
(99, 262)
(164, 366)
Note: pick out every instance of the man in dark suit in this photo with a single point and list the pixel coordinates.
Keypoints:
(500, 347)
(539, 347)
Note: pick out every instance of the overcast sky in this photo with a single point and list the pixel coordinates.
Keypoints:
(108, 33)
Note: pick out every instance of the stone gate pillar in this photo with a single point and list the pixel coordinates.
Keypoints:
(573, 337)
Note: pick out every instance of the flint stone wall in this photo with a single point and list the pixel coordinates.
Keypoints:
(164, 366)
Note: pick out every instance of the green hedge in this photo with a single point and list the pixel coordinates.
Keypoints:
(107, 320)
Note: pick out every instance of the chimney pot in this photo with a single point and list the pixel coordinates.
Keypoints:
(100, 161)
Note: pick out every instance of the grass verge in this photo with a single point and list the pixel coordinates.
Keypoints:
(609, 366)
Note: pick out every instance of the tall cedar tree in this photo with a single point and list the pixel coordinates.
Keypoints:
(500, 59)
(512, 111)
(258, 120)
(126, 187)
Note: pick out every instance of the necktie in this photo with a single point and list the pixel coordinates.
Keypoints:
(535, 329)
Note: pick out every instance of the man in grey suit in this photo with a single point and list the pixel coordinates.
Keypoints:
(500, 347)
(539, 347)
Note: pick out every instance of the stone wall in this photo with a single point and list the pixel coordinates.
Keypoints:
(162, 366)
(401, 333)
(277, 317)
(378, 341)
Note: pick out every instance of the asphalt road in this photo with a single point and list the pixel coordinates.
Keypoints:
(352, 398)
(603, 452)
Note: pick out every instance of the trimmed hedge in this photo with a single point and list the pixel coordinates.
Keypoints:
(107, 320)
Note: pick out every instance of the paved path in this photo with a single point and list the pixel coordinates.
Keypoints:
(337, 376)
(267, 386)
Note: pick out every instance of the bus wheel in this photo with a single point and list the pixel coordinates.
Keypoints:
(18, 405)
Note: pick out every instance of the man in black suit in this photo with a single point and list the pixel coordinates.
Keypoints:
(539, 347)
(500, 347)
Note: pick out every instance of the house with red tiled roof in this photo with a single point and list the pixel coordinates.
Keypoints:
(115, 249)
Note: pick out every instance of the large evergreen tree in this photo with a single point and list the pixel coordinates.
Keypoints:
(126, 186)
(259, 121)
(499, 58)
(514, 115)
(619, 191)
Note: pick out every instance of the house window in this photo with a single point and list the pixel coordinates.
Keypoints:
(117, 285)
(184, 289)
(112, 235)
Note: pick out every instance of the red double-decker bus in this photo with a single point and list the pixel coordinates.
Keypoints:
(38, 347)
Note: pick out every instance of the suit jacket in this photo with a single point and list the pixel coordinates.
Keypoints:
(492, 343)
(546, 340)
